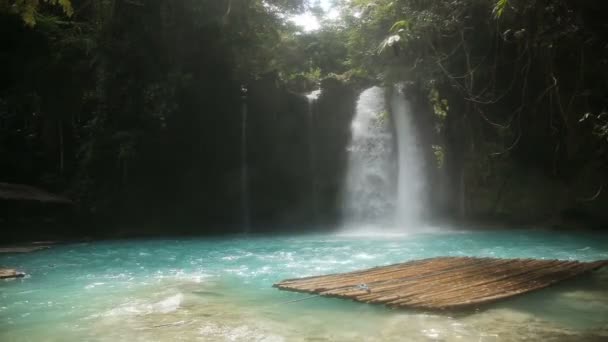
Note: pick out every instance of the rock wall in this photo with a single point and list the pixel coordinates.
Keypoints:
(280, 167)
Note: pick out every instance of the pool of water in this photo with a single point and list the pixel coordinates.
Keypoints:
(220, 289)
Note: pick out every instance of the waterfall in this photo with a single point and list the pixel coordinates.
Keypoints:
(244, 167)
(368, 193)
(385, 182)
(411, 181)
(312, 98)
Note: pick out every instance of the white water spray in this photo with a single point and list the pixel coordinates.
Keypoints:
(312, 98)
(411, 181)
(385, 182)
(367, 196)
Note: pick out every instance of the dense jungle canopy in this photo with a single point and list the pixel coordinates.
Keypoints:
(131, 107)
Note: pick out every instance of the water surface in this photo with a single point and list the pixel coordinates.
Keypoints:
(219, 289)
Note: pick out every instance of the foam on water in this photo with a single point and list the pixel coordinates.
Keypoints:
(220, 289)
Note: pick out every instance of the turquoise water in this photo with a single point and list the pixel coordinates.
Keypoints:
(219, 289)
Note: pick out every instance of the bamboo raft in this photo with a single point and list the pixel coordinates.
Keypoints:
(442, 283)
(21, 249)
(8, 273)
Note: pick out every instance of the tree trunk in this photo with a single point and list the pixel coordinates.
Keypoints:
(61, 147)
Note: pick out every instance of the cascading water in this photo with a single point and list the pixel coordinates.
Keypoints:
(411, 181)
(385, 182)
(244, 167)
(368, 198)
(312, 98)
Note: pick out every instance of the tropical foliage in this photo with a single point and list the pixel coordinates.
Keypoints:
(104, 98)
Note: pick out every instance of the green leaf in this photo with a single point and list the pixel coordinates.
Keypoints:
(401, 24)
(499, 8)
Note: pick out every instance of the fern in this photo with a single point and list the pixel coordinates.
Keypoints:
(401, 24)
(28, 9)
(499, 8)
(66, 5)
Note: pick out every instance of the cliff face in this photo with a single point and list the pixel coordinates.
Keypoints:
(516, 193)
(297, 153)
(530, 173)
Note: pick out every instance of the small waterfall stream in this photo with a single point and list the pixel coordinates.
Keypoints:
(245, 197)
(312, 98)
